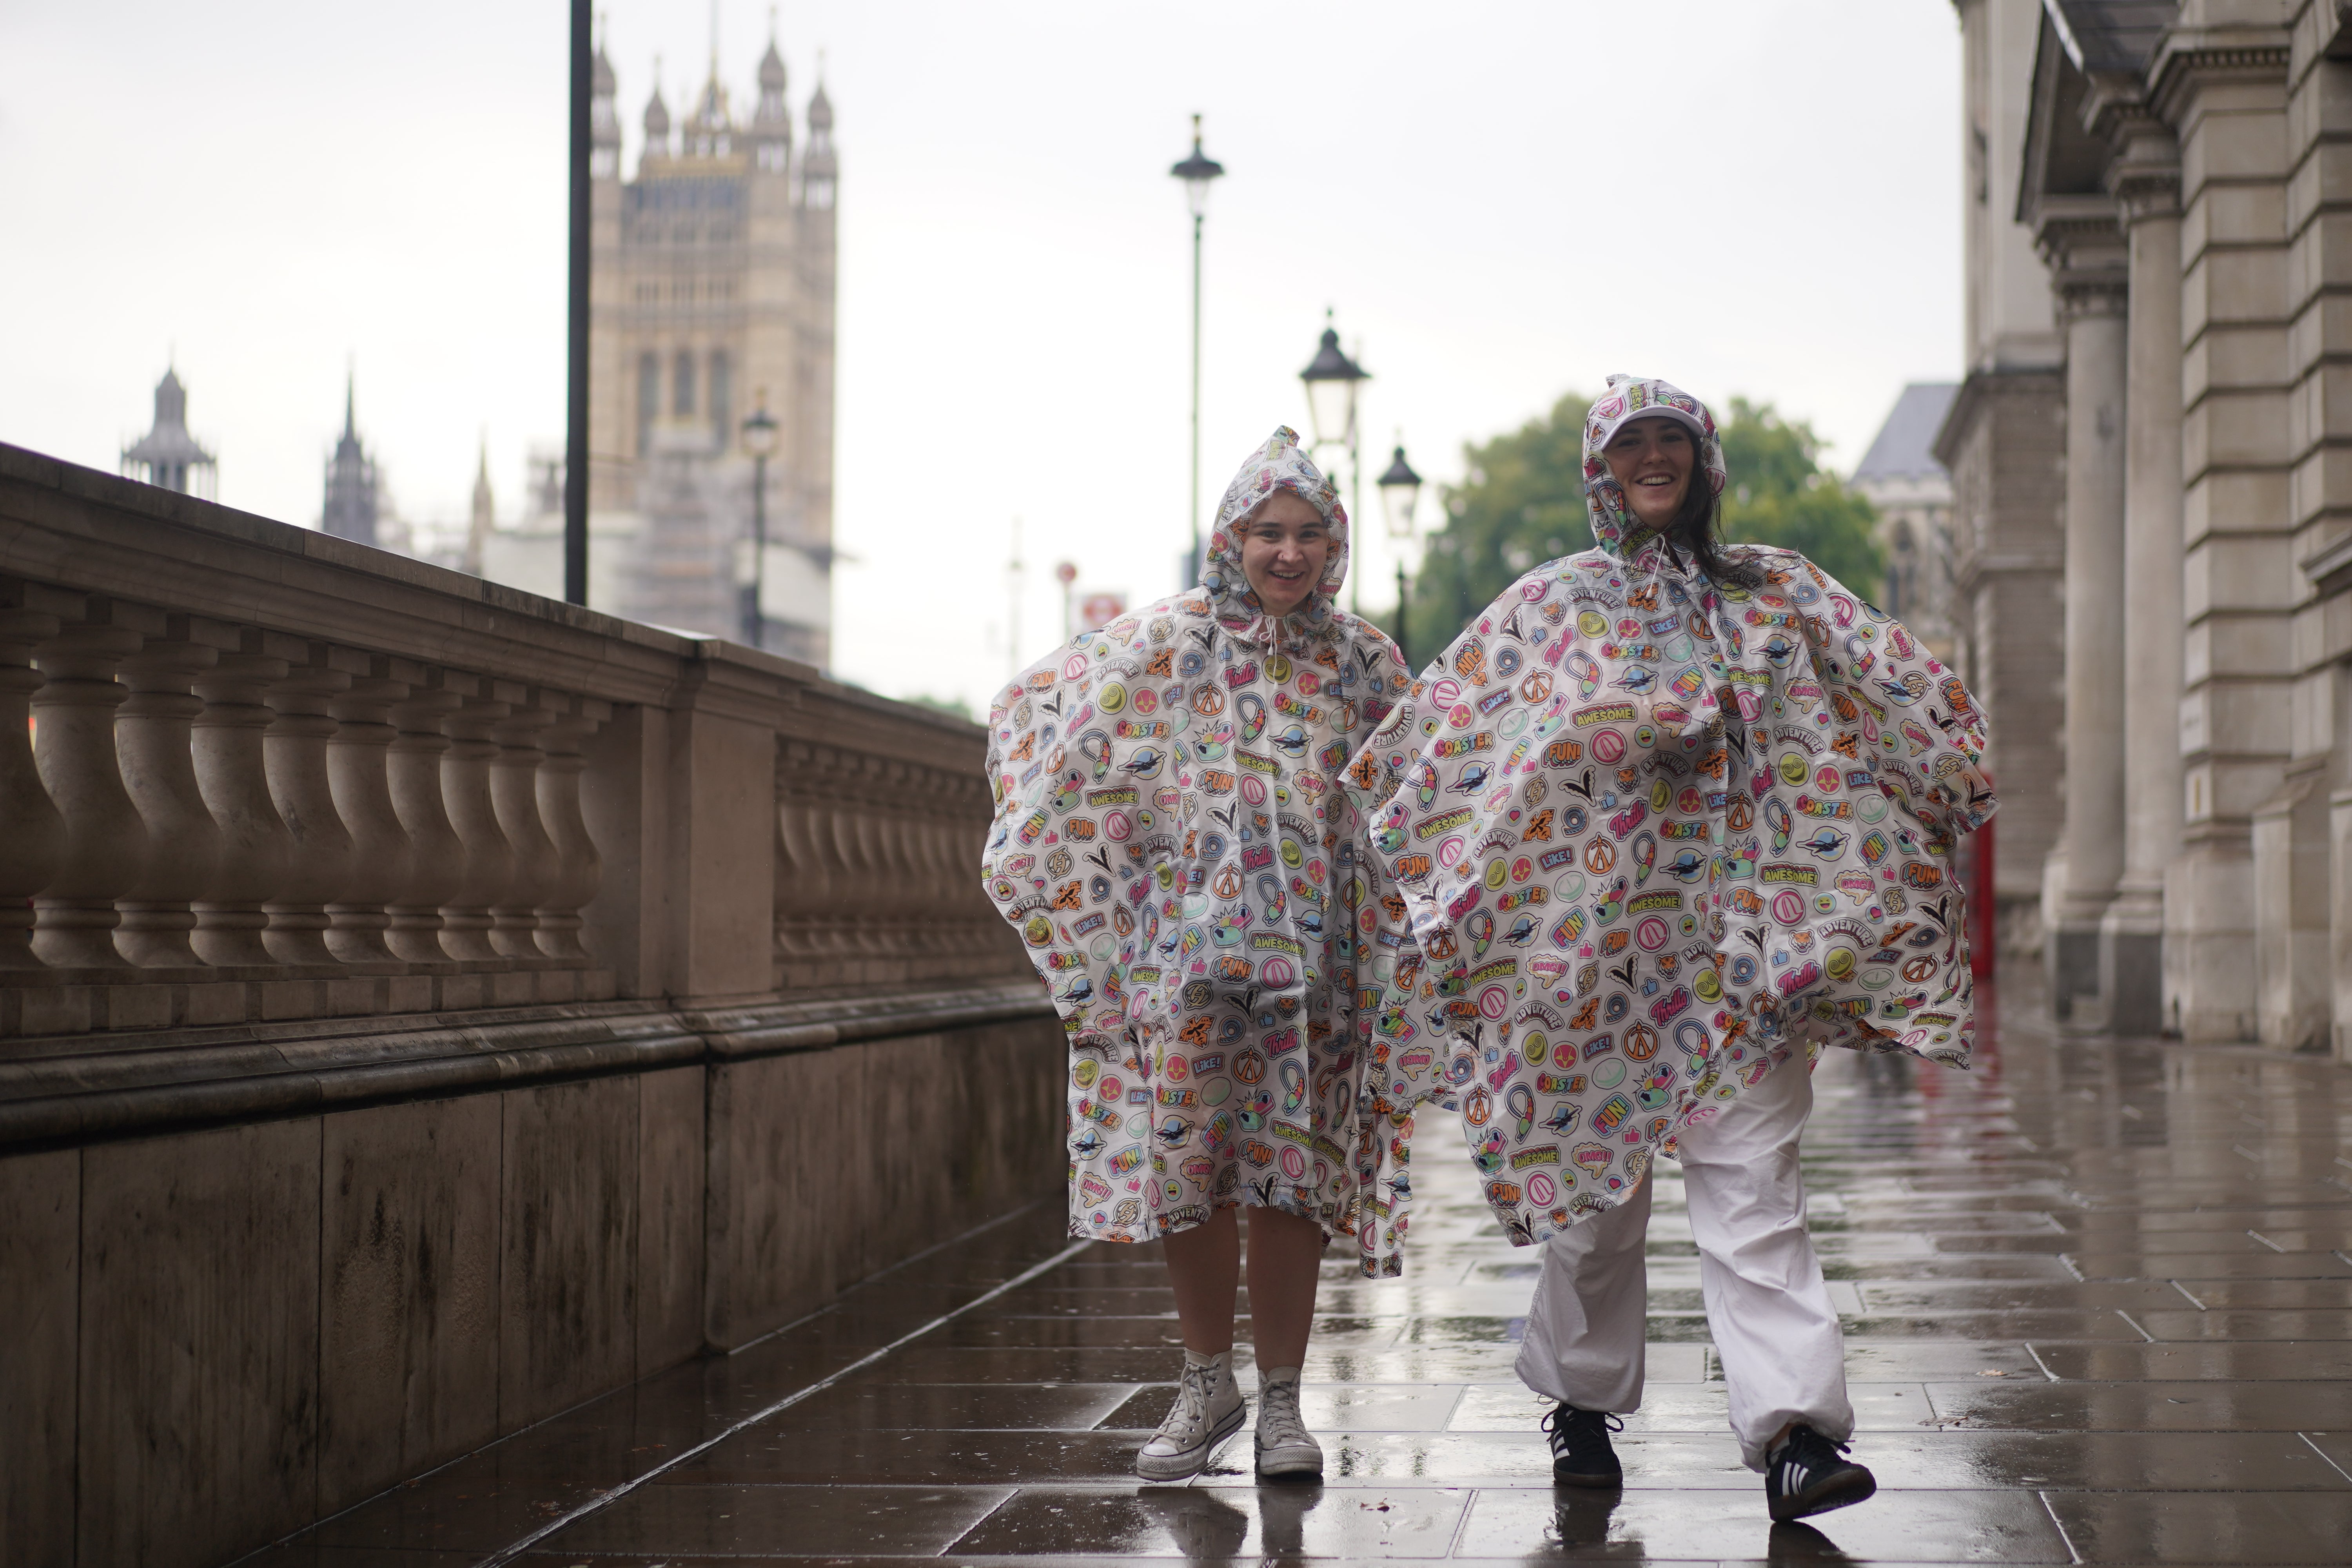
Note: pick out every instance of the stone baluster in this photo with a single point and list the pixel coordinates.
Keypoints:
(800, 881)
(413, 772)
(73, 747)
(226, 743)
(861, 843)
(153, 744)
(579, 870)
(319, 866)
(466, 918)
(34, 846)
(514, 799)
(383, 862)
(806, 821)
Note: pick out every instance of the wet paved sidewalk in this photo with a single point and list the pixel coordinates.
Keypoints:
(2098, 1303)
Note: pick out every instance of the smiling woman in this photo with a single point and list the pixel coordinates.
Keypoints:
(1661, 823)
(1172, 841)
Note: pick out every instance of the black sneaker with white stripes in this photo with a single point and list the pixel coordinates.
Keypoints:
(1580, 1452)
(1808, 1474)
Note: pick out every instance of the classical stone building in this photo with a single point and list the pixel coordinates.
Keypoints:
(713, 296)
(1900, 476)
(2180, 173)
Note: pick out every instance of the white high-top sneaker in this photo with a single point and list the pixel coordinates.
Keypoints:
(1208, 1410)
(1284, 1448)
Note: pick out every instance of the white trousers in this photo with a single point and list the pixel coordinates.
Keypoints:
(1768, 1310)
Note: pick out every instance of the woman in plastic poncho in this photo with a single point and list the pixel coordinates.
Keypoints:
(1666, 819)
(1171, 841)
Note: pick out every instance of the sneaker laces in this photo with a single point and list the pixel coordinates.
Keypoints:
(1187, 1418)
(1575, 1433)
(1279, 1423)
(1809, 1451)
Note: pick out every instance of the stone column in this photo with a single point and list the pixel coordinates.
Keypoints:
(2224, 87)
(319, 867)
(383, 862)
(73, 745)
(412, 774)
(579, 868)
(2147, 179)
(514, 800)
(159, 771)
(2090, 281)
(490, 859)
(254, 847)
(35, 845)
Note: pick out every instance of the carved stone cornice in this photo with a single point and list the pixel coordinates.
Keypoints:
(2191, 59)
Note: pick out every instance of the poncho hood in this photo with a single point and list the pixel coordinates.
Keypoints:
(1629, 398)
(1279, 465)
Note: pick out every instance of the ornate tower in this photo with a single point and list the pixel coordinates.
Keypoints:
(167, 456)
(349, 509)
(713, 285)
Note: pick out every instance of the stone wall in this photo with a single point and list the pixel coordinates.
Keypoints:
(424, 1007)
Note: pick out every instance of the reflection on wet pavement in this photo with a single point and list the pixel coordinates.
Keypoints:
(2098, 1305)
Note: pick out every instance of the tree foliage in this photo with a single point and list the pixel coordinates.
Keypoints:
(1522, 502)
(1781, 495)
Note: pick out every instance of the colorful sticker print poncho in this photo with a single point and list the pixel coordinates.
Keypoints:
(1172, 842)
(1640, 835)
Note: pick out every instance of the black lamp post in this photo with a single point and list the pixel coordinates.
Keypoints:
(575, 412)
(1331, 379)
(1400, 490)
(759, 441)
(1196, 172)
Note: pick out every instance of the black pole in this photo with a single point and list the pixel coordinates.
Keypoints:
(575, 423)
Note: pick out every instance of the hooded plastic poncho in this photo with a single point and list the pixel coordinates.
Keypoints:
(1173, 844)
(1641, 835)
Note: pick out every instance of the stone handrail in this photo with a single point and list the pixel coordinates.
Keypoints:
(271, 777)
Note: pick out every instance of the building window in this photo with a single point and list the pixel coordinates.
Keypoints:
(722, 399)
(649, 401)
(682, 385)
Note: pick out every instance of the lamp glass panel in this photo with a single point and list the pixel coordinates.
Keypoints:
(1330, 408)
(1397, 501)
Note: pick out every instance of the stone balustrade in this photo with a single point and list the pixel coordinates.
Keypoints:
(425, 1006)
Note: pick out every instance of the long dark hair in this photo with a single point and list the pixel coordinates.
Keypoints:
(1697, 527)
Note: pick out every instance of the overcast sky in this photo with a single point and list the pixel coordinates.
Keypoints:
(1501, 201)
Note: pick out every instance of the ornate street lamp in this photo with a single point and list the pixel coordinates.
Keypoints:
(759, 441)
(1331, 379)
(1196, 172)
(1400, 492)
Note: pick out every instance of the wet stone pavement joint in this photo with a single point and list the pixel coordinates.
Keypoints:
(2098, 1299)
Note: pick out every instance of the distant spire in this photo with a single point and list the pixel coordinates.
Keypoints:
(485, 516)
(349, 511)
(656, 115)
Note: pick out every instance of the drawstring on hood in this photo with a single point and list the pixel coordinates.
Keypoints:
(1614, 527)
(1279, 465)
